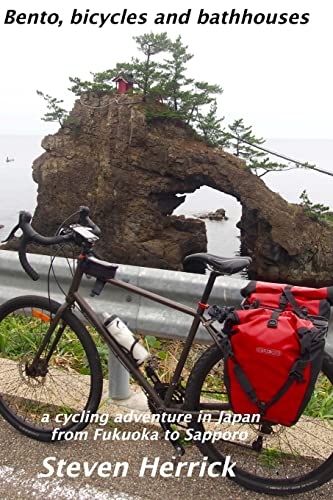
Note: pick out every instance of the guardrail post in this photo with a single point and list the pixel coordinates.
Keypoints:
(119, 386)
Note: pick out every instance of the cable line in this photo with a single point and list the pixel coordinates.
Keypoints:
(279, 155)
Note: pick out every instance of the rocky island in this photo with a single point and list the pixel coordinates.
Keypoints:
(133, 172)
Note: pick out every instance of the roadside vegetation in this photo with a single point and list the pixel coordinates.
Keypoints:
(70, 356)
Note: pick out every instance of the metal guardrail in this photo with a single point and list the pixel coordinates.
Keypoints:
(140, 314)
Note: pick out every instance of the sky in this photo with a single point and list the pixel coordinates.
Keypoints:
(278, 78)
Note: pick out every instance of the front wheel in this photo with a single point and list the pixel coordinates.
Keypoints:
(274, 459)
(63, 387)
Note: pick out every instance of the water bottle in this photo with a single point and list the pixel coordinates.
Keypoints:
(123, 335)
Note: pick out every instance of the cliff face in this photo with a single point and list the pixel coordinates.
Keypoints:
(129, 172)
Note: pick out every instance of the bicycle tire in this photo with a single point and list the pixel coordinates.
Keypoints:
(254, 476)
(24, 399)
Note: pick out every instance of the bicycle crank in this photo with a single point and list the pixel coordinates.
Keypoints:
(161, 389)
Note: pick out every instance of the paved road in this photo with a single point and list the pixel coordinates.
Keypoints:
(21, 461)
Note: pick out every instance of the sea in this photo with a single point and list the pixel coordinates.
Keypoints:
(18, 191)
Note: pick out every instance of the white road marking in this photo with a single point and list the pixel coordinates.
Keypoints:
(55, 488)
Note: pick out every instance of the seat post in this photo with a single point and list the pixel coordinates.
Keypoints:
(209, 286)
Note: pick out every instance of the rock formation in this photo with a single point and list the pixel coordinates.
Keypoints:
(131, 170)
(218, 215)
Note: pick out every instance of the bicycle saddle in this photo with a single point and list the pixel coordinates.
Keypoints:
(222, 265)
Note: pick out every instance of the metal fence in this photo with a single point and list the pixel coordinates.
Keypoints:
(140, 314)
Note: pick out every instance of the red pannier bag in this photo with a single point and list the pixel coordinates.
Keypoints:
(311, 301)
(273, 356)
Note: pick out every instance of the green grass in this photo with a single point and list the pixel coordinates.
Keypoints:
(321, 402)
(271, 457)
(17, 336)
(21, 335)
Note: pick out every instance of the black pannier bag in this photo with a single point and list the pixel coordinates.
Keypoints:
(274, 349)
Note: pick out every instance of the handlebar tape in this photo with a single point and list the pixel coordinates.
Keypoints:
(24, 261)
(31, 236)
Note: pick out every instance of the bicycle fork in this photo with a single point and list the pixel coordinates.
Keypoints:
(39, 366)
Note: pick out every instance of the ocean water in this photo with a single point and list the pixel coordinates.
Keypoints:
(223, 237)
(18, 191)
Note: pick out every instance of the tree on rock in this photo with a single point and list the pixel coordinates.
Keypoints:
(55, 112)
(162, 76)
(317, 211)
(174, 84)
(244, 144)
(242, 140)
(101, 82)
(209, 126)
(147, 72)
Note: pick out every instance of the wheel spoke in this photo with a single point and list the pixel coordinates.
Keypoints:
(30, 390)
(289, 459)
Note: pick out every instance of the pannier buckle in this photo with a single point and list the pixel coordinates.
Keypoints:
(262, 408)
(298, 376)
(273, 320)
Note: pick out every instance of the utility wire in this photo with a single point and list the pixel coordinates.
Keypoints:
(279, 155)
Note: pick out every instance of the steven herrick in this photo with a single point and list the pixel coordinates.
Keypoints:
(149, 467)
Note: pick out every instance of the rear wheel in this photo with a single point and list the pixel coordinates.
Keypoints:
(269, 459)
(65, 381)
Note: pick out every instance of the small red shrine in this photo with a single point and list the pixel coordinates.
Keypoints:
(124, 83)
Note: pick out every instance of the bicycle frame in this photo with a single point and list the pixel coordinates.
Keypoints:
(73, 297)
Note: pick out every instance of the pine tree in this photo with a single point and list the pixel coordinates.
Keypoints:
(242, 143)
(175, 85)
(242, 140)
(101, 82)
(209, 126)
(317, 211)
(183, 97)
(147, 72)
(202, 94)
(193, 102)
(263, 167)
(55, 112)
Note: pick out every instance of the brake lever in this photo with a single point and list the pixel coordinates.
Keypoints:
(11, 234)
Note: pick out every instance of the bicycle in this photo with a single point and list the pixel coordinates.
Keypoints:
(37, 377)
